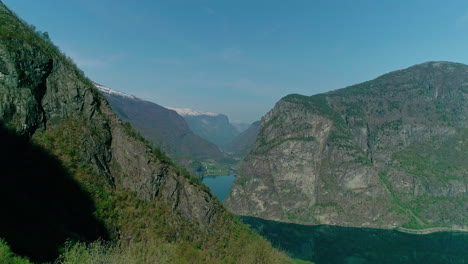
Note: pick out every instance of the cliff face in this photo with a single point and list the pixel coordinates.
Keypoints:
(385, 153)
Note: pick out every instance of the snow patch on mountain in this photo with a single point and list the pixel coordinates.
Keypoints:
(190, 112)
(108, 90)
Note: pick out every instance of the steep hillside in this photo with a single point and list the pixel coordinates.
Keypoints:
(164, 128)
(210, 126)
(386, 153)
(85, 174)
(243, 143)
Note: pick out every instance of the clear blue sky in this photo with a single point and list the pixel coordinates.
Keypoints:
(240, 57)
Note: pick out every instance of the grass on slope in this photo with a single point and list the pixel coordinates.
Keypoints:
(152, 225)
(8, 257)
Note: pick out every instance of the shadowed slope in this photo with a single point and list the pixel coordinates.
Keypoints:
(42, 205)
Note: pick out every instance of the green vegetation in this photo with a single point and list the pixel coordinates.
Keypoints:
(153, 226)
(132, 132)
(17, 35)
(213, 167)
(298, 261)
(163, 157)
(102, 252)
(340, 135)
(8, 257)
(383, 176)
(442, 161)
(241, 180)
(24, 33)
(270, 145)
(418, 209)
(319, 104)
(291, 216)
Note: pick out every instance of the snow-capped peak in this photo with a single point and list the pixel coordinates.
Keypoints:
(108, 90)
(190, 112)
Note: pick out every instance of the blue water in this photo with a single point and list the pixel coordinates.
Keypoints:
(219, 185)
(345, 245)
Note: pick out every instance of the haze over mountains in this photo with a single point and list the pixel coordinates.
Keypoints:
(213, 127)
(243, 143)
(164, 127)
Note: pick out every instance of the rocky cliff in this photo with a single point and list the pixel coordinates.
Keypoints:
(385, 153)
(131, 188)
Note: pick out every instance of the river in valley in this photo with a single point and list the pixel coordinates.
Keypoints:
(219, 185)
(344, 245)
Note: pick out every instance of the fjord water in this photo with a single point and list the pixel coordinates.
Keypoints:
(343, 245)
(324, 244)
(219, 185)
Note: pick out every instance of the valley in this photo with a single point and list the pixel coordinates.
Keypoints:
(92, 183)
(375, 172)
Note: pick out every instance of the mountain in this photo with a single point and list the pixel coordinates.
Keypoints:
(243, 143)
(163, 127)
(72, 171)
(240, 126)
(210, 126)
(386, 153)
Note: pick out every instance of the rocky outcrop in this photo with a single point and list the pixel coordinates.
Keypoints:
(385, 153)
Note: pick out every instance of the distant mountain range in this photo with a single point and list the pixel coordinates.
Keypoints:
(164, 127)
(213, 127)
(242, 144)
(192, 138)
(240, 126)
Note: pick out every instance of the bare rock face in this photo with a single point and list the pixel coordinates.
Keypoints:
(385, 153)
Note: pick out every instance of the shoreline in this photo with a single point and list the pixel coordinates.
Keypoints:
(425, 231)
(431, 230)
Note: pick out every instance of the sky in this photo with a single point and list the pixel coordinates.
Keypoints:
(240, 57)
